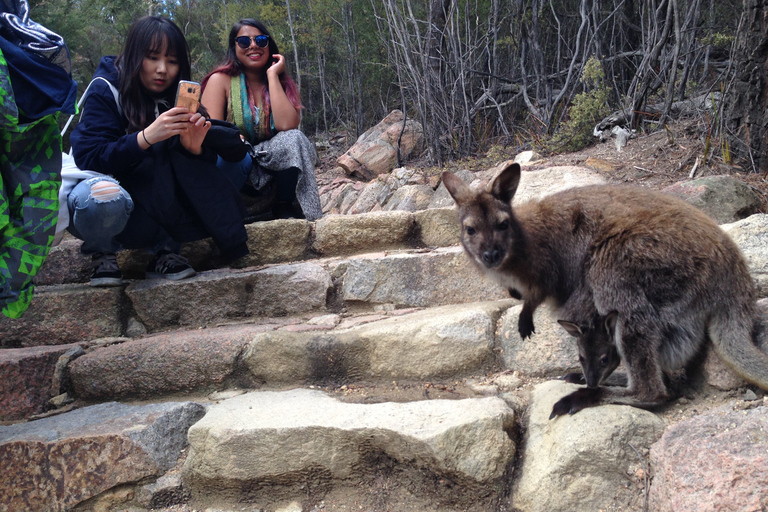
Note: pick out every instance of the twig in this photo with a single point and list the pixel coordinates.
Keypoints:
(645, 478)
(642, 169)
(695, 166)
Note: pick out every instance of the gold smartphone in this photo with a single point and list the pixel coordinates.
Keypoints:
(188, 95)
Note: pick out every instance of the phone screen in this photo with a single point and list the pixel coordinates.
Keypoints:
(188, 95)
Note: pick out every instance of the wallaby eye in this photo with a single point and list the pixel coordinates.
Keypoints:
(605, 360)
(470, 230)
(581, 360)
(502, 226)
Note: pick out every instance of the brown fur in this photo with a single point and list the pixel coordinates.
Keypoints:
(668, 271)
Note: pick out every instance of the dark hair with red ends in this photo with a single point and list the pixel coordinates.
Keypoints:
(232, 66)
(148, 35)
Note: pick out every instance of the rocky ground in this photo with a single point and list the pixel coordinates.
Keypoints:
(655, 160)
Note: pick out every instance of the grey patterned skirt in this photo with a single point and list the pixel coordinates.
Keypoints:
(286, 150)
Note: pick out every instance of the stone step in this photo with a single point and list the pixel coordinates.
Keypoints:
(259, 448)
(312, 450)
(443, 342)
(72, 313)
(449, 341)
(283, 445)
(281, 241)
(416, 346)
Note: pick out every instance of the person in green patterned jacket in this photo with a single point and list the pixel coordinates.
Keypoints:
(35, 86)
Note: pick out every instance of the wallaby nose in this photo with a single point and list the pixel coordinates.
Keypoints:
(492, 258)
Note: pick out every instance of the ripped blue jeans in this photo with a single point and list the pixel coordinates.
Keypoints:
(99, 209)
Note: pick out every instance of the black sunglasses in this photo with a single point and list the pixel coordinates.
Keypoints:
(245, 41)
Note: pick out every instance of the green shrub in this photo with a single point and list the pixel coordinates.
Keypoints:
(587, 109)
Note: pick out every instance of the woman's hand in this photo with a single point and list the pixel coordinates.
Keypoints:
(172, 122)
(192, 138)
(277, 67)
(284, 114)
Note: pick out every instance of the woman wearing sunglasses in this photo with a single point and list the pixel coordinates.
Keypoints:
(153, 181)
(253, 90)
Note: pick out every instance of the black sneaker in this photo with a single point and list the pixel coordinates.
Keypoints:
(167, 265)
(105, 270)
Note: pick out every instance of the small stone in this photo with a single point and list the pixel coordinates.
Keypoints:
(325, 320)
(294, 506)
(224, 395)
(135, 328)
(749, 395)
(507, 381)
(60, 401)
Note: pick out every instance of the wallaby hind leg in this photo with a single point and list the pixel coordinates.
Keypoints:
(639, 341)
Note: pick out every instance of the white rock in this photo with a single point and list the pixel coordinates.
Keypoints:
(579, 462)
(261, 436)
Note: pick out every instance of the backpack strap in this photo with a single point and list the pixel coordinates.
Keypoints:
(85, 93)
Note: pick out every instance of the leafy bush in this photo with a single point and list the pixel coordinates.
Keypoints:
(587, 109)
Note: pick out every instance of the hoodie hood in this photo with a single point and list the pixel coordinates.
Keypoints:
(107, 69)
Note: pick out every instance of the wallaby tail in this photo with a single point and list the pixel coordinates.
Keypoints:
(733, 336)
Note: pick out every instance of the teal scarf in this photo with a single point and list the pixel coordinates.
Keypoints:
(254, 123)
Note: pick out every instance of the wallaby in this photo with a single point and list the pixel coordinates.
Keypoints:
(669, 272)
(598, 355)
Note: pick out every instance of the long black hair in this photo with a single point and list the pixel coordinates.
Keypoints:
(147, 35)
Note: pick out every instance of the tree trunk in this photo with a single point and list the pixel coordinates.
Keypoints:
(746, 114)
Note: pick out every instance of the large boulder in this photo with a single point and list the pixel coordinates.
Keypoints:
(55, 463)
(583, 461)
(715, 461)
(375, 151)
(724, 198)
(410, 198)
(751, 235)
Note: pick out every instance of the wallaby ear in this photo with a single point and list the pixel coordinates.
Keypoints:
(573, 329)
(459, 190)
(610, 325)
(505, 184)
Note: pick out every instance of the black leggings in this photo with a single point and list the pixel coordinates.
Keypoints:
(285, 185)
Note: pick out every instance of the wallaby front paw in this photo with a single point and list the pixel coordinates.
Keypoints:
(525, 326)
(576, 401)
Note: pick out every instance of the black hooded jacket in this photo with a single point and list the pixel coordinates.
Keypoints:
(183, 194)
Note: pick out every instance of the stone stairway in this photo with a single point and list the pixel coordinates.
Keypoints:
(359, 362)
(382, 310)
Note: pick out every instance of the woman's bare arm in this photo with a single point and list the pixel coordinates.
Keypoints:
(216, 96)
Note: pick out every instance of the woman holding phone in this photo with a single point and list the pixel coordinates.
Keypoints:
(155, 183)
(253, 90)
